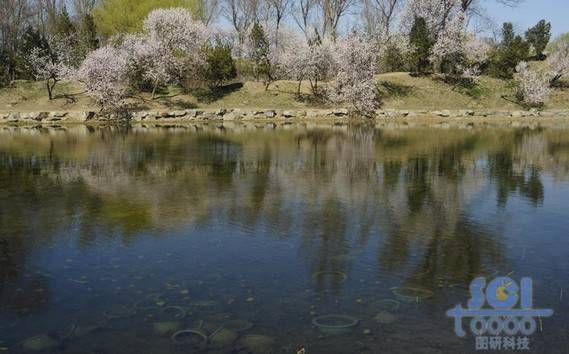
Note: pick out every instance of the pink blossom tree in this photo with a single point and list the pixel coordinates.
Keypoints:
(170, 44)
(355, 59)
(104, 73)
(147, 56)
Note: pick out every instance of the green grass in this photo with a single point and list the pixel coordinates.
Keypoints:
(397, 91)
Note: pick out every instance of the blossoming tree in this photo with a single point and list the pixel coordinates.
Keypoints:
(310, 60)
(459, 53)
(171, 40)
(104, 73)
(51, 64)
(533, 86)
(559, 62)
(355, 58)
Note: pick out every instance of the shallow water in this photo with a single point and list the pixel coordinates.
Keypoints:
(103, 228)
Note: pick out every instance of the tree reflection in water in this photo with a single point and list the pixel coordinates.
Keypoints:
(338, 189)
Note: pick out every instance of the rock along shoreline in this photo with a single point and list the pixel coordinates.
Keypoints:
(197, 115)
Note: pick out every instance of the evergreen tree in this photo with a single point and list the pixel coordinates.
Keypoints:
(32, 38)
(512, 50)
(64, 27)
(259, 52)
(420, 39)
(220, 64)
(89, 32)
(508, 34)
(539, 36)
(88, 37)
(4, 67)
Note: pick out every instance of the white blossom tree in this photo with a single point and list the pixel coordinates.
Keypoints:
(171, 40)
(52, 64)
(459, 53)
(355, 60)
(450, 40)
(149, 57)
(559, 62)
(533, 86)
(104, 73)
(310, 60)
(318, 63)
(437, 13)
(175, 29)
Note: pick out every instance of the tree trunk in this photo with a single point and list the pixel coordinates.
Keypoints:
(154, 89)
(50, 88)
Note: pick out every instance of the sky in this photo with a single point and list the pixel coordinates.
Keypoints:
(530, 12)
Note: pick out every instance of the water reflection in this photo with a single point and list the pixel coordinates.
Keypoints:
(404, 206)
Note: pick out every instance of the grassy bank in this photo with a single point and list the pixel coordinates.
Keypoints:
(397, 91)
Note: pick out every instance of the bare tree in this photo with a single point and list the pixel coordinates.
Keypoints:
(470, 4)
(241, 14)
(303, 11)
(483, 22)
(13, 16)
(380, 14)
(209, 11)
(278, 10)
(84, 7)
(46, 13)
(332, 12)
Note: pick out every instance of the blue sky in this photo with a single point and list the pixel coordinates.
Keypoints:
(530, 12)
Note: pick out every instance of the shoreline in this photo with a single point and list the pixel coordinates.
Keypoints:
(277, 117)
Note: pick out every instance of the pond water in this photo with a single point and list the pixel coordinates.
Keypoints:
(112, 239)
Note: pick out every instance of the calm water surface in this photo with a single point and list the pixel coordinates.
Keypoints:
(112, 239)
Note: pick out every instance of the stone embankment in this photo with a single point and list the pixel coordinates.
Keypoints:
(265, 114)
